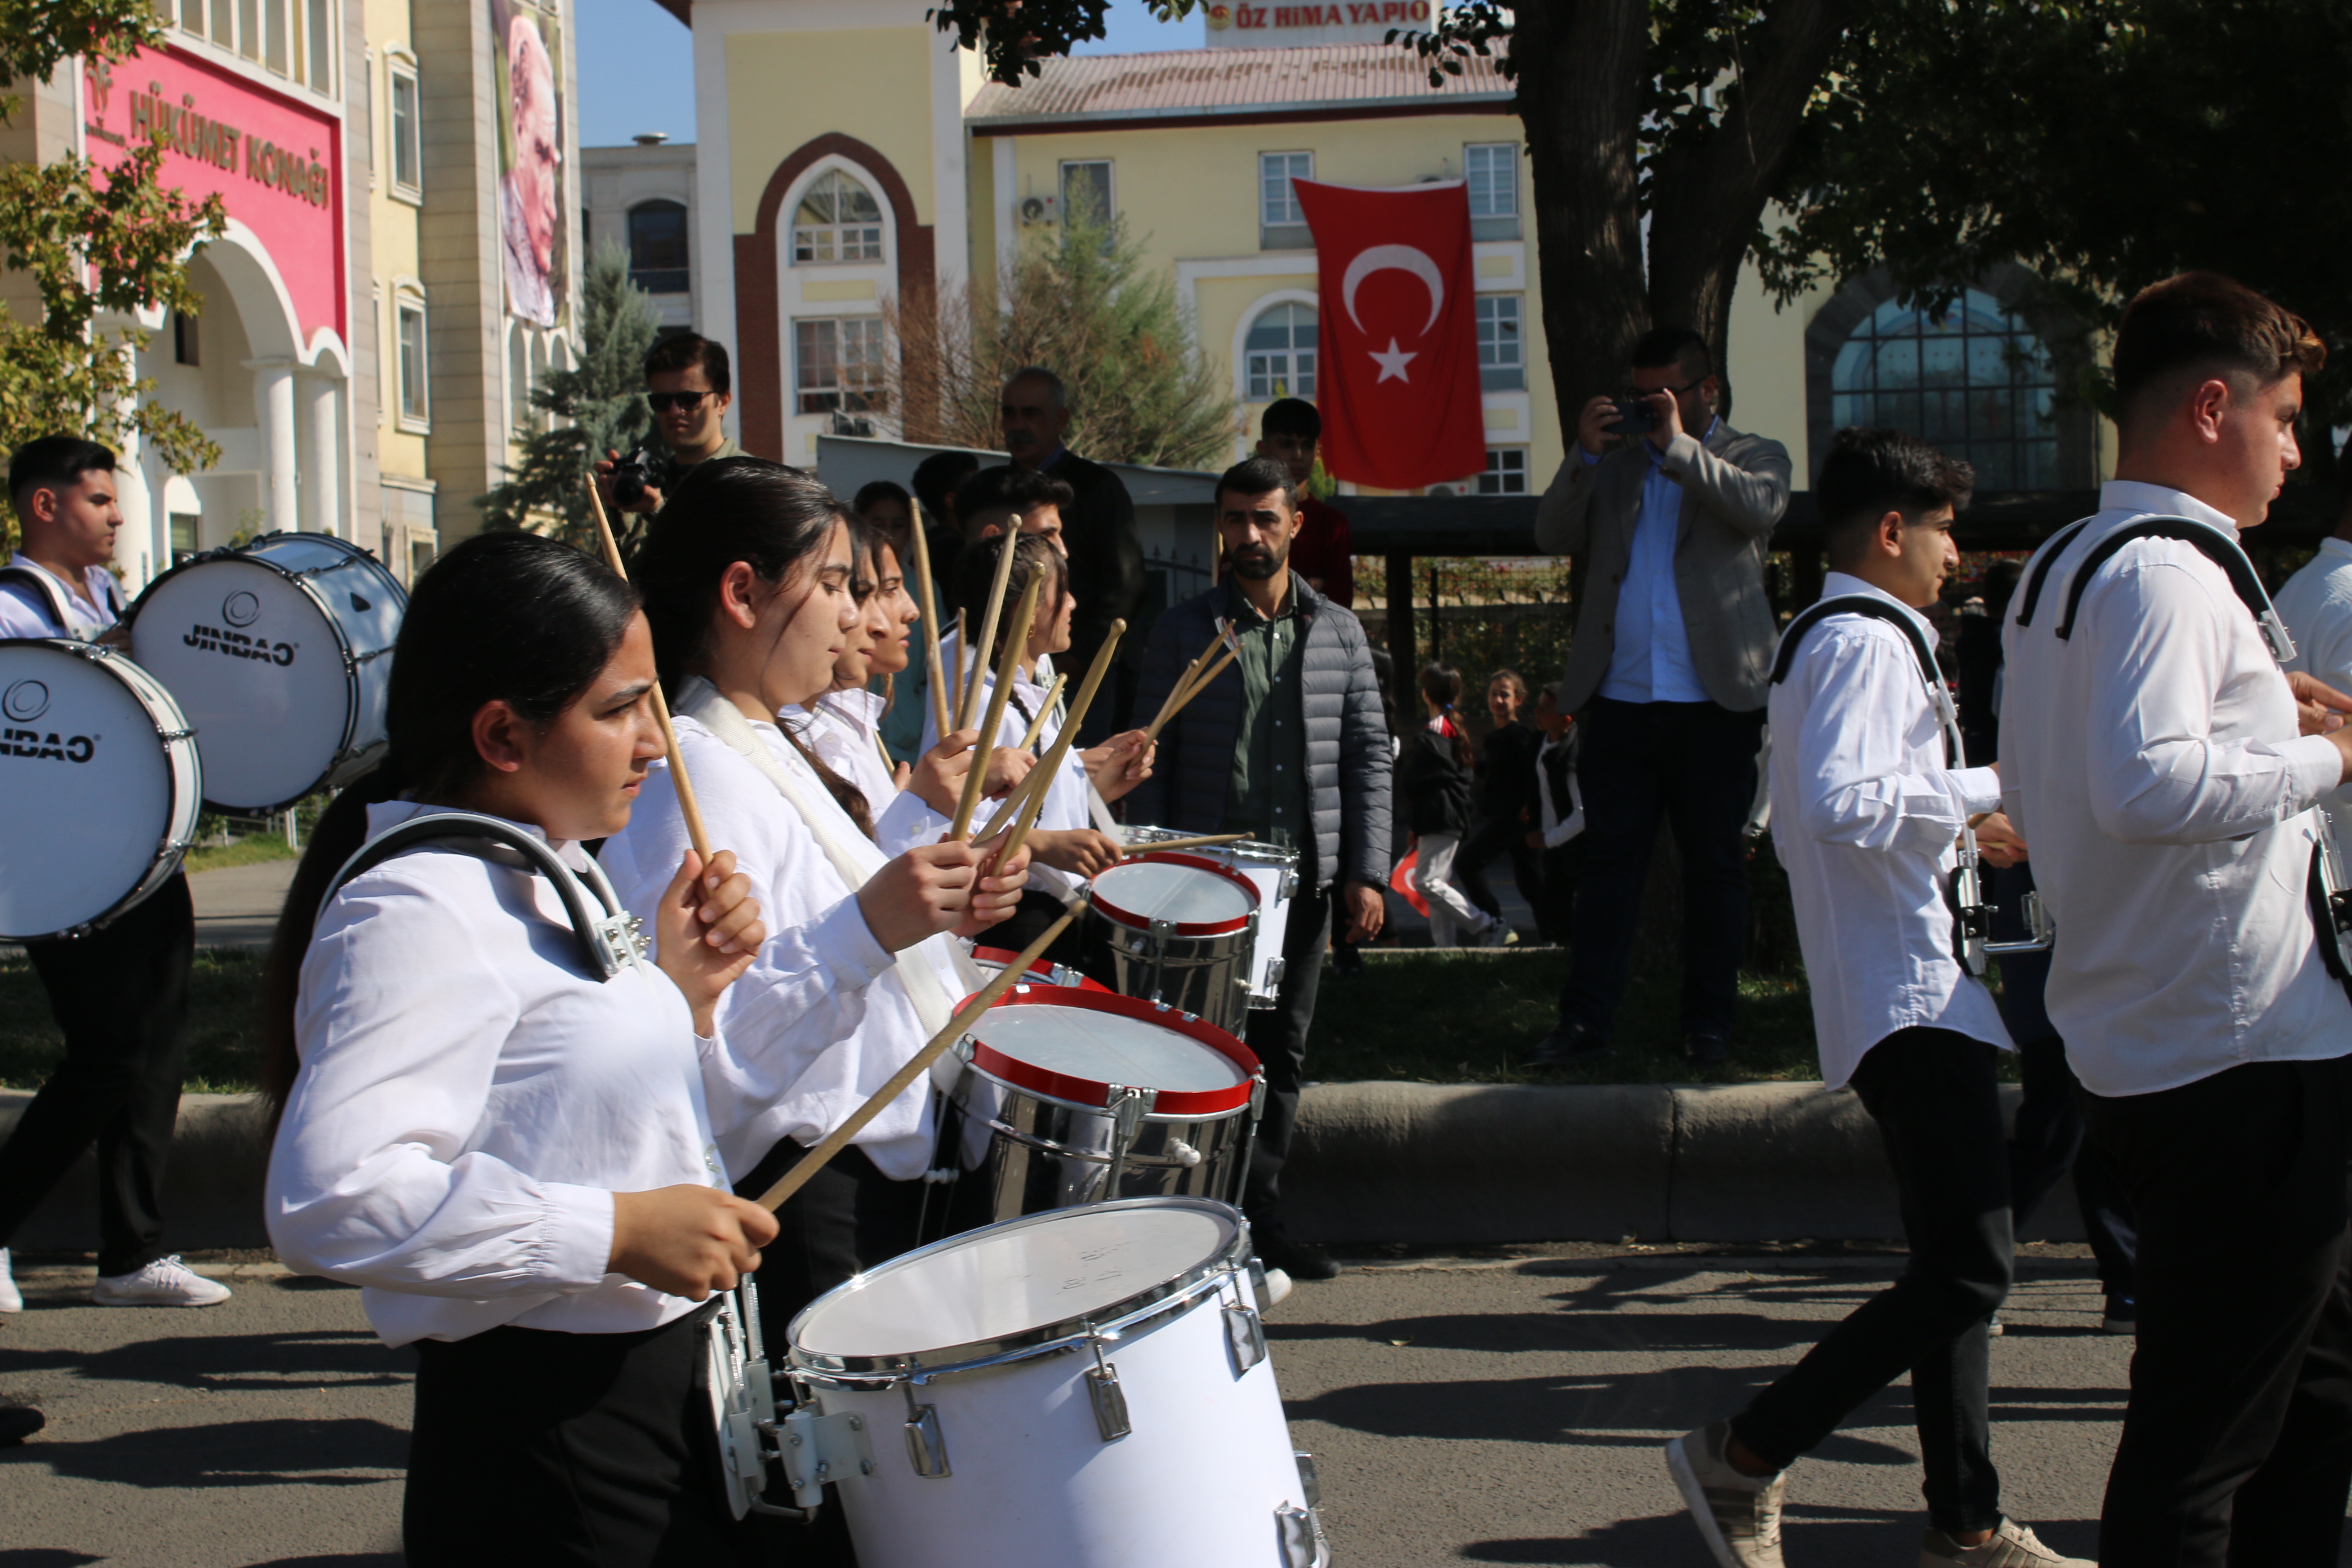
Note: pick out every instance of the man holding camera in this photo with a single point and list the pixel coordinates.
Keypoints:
(688, 384)
(1670, 510)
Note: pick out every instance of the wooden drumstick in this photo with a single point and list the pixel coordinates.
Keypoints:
(1201, 842)
(1011, 540)
(687, 805)
(930, 627)
(1044, 711)
(835, 1141)
(1052, 763)
(1019, 793)
(1016, 643)
(1207, 676)
(956, 678)
(1176, 692)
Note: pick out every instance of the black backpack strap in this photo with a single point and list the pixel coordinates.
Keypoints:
(2216, 547)
(610, 940)
(2033, 584)
(1854, 605)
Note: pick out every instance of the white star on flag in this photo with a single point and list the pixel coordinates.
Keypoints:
(1393, 362)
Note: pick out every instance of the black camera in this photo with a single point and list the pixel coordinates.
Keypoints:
(1632, 420)
(630, 477)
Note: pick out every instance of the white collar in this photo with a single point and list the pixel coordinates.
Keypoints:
(386, 815)
(2140, 497)
(2332, 545)
(1842, 584)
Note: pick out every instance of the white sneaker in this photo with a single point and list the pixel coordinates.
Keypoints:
(1737, 1515)
(2011, 1546)
(11, 1298)
(1498, 934)
(166, 1282)
(1277, 1287)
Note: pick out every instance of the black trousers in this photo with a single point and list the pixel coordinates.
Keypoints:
(1279, 1036)
(588, 1449)
(120, 994)
(1933, 1095)
(1490, 838)
(1691, 765)
(2237, 1443)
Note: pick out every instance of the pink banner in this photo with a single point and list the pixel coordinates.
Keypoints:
(276, 162)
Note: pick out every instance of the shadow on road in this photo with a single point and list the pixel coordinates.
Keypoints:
(1822, 1535)
(228, 1454)
(222, 1363)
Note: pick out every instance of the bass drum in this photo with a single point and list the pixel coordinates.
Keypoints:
(280, 653)
(102, 783)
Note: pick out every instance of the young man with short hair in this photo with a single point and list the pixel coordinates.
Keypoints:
(120, 993)
(1870, 795)
(2164, 768)
(1290, 432)
(689, 387)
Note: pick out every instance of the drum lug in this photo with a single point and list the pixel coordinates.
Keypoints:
(1110, 1404)
(820, 1448)
(1310, 1481)
(1127, 1107)
(1275, 971)
(1289, 884)
(927, 1449)
(1300, 1531)
(1259, 1291)
(1246, 1334)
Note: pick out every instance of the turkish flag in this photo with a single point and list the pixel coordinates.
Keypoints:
(1397, 334)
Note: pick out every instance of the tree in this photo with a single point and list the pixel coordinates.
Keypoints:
(596, 407)
(99, 245)
(1083, 304)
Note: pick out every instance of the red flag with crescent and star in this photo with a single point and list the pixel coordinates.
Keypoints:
(1397, 380)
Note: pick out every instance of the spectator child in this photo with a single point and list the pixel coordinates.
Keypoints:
(1434, 777)
(1504, 800)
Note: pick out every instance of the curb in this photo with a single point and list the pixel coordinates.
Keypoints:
(1373, 1161)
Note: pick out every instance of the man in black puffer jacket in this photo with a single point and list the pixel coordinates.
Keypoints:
(1290, 745)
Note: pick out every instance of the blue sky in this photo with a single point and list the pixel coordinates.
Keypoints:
(636, 65)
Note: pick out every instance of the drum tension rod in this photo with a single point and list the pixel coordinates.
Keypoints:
(927, 1449)
(1102, 1386)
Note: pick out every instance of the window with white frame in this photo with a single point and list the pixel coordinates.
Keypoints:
(837, 366)
(1507, 472)
(405, 132)
(410, 394)
(295, 39)
(1502, 357)
(1491, 171)
(1281, 220)
(838, 220)
(1278, 355)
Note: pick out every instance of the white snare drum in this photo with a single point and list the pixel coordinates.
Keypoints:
(280, 653)
(1177, 929)
(1274, 872)
(102, 784)
(1088, 1389)
(1073, 1096)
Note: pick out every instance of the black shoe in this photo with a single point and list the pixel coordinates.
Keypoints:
(2122, 1315)
(1347, 963)
(18, 1422)
(1705, 1050)
(1569, 1043)
(1278, 1248)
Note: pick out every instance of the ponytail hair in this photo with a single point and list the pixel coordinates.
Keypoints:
(1442, 684)
(509, 617)
(773, 519)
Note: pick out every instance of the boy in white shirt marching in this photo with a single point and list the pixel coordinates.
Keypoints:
(1872, 796)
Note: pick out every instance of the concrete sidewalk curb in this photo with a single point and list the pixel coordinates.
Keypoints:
(1373, 1162)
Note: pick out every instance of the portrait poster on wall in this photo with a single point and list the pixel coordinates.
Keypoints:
(526, 45)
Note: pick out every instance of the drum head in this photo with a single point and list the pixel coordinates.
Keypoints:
(1073, 1044)
(259, 670)
(1201, 897)
(1037, 1276)
(89, 788)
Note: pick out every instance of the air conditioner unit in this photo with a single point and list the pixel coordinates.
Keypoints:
(1037, 211)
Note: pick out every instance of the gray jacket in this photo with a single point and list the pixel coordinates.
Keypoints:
(1735, 490)
(1348, 764)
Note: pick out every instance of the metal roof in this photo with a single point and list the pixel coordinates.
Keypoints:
(1233, 81)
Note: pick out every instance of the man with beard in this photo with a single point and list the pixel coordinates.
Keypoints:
(1288, 744)
(529, 196)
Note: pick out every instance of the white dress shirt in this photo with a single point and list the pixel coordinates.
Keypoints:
(472, 1095)
(2317, 605)
(2153, 763)
(1067, 798)
(1650, 661)
(1867, 822)
(92, 606)
(843, 729)
(812, 1004)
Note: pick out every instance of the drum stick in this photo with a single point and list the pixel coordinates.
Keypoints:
(687, 805)
(930, 627)
(989, 621)
(1015, 797)
(1052, 763)
(1168, 704)
(1044, 711)
(1016, 642)
(1201, 842)
(835, 1141)
(1208, 677)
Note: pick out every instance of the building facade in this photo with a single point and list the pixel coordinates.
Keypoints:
(641, 198)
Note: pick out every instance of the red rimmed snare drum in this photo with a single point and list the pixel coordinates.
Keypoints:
(994, 959)
(1177, 929)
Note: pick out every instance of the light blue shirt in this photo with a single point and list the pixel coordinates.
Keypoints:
(1651, 659)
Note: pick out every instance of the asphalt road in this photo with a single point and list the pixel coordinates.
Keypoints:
(1481, 1411)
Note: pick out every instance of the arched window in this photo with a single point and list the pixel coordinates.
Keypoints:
(1278, 355)
(838, 220)
(1978, 384)
(657, 247)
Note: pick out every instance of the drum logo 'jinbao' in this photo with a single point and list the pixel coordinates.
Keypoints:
(26, 701)
(241, 608)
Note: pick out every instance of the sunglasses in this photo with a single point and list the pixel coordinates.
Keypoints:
(683, 402)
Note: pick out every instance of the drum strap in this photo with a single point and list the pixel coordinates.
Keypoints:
(60, 610)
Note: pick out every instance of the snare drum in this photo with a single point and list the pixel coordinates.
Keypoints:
(1274, 872)
(1088, 1389)
(1177, 928)
(102, 783)
(280, 653)
(992, 960)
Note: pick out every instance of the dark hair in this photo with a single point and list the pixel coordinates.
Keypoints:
(882, 490)
(507, 616)
(936, 479)
(684, 351)
(1256, 477)
(1039, 373)
(995, 489)
(1677, 346)
(2205, 325)
(769, 517)
(1442, 684)
(975, 574)
(1291, 416)
(1548, 692)
(1872, 471)
(1519, 682)
(56, 460)
(865, 567)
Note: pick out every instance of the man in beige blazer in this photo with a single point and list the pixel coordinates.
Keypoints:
(1668, 674)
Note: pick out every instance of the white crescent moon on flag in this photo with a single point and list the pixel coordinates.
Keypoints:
(1404, 258)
